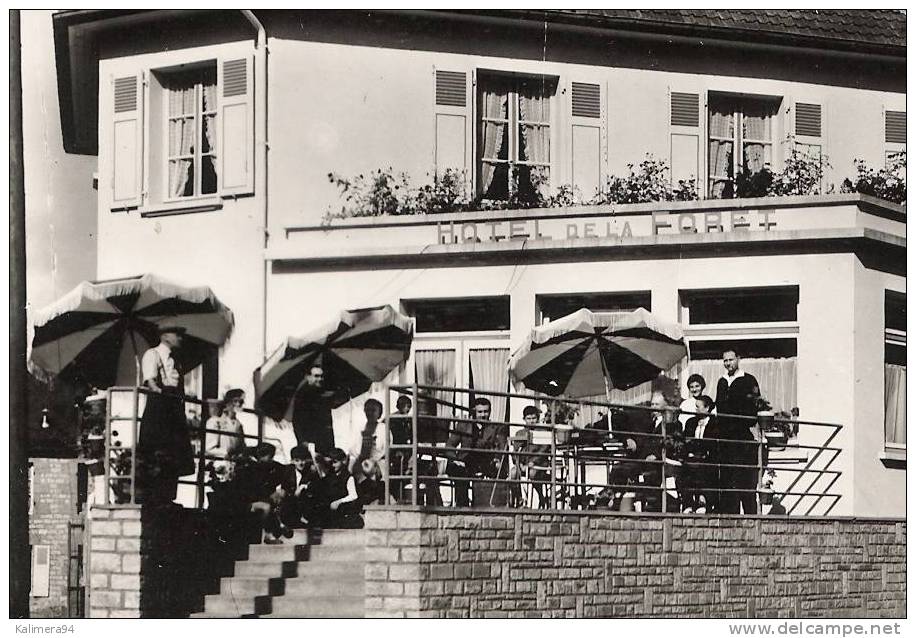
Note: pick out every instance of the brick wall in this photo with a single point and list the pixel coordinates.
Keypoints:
(589, 564)
(54, 494)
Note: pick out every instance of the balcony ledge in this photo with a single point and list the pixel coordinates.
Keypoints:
(873, 205)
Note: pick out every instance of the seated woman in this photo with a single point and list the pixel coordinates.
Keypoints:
(228, 439)
(699, 479)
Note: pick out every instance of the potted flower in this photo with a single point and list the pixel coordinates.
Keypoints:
(774, 428)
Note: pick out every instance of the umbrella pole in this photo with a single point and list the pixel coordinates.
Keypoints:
(607, 394)
(133, 343)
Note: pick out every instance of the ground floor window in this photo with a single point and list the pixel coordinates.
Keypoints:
(895, 370)
(773, 362)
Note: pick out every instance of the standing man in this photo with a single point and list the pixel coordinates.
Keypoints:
(312, 412)
(164, 446)
(736, 394)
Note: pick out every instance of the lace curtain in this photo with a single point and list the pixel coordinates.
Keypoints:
(895, 403)
(534, 107)
(494, 106)
(489, 371)
(778, 378)
(721, 124)
(209, 125)
(181, 138)
(756, 126)
(437, 367)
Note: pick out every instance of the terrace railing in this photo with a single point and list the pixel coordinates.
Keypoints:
(119, 452)
(659, 474)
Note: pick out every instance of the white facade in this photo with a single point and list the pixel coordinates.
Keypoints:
(336, 105)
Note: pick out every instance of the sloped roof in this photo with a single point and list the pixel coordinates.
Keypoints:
(854, 26)
(873, 32)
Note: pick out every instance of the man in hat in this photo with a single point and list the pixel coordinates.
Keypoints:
(164, 447)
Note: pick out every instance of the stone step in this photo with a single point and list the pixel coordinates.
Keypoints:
(288, 551)
(251, 586)
(266, 569)
(316, 607)
(349, 537)
(229, 606)
(331, 569)
(312, 585)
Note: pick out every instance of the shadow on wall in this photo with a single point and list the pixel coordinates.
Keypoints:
(183, 555)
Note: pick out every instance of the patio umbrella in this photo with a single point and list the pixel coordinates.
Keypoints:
(99, 330)
(589, 353)
(356, 349)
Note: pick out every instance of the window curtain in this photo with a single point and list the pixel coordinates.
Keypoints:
(755, 125)
(778, 378)
(437, 367)
(495, 106)
(721, 124)
(489, 370)
(181, 139)
(895, 404)
(209, 123)
(535, 140)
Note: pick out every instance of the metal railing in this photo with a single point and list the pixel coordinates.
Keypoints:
(442, 431)
(120, 452)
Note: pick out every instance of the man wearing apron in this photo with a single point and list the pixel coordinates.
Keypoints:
(164, 447)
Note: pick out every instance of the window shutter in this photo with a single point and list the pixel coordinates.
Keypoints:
(41, 570)
(235, 84)
(587, 138)
(684, 120)
(895, 127)
(808, 119)
(127, 141)
(453, 122)
(685, 109)
(586, 100)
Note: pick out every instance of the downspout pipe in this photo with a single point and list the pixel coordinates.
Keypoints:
(262, 148)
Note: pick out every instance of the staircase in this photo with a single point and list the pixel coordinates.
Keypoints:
(315, 574)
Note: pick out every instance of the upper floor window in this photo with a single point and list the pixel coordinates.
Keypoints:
(740, 140)
(513, 135)
(191, 167)
(182, 136)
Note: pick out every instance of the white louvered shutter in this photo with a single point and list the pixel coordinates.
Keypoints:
(127, 142)
(453, 121)
(684, 121)
(587, 137)
(809, 129)
(895, 127)
(235, 153)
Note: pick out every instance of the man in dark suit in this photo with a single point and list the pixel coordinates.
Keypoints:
(737, 393)
(312, 421)
(641, 434)
(699, 479)
(298, 488)
(477, 435)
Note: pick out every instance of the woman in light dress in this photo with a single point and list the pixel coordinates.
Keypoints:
(228, 436)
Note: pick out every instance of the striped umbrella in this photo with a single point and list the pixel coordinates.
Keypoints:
(589, 353)
(99, 330)
(356, 349)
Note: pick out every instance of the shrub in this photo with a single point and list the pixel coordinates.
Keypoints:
(649, 182)
(802, 174)
(382, 192)
(888, 183)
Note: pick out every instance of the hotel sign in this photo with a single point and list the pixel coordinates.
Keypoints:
(620, 227)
